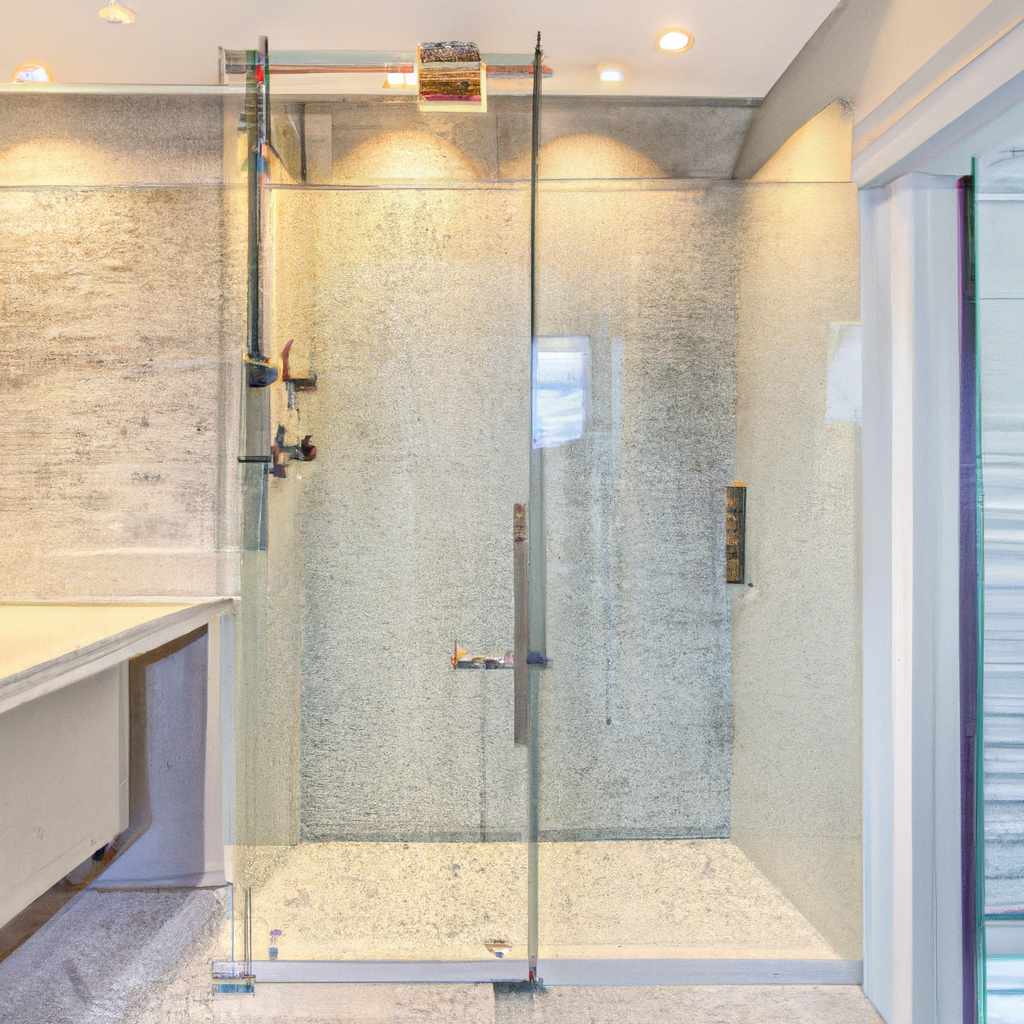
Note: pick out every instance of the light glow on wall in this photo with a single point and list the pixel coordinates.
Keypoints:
(584, 157)
(56, 162)
(408, 155)
(611, 73)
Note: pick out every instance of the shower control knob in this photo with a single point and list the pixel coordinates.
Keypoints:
(281, 454)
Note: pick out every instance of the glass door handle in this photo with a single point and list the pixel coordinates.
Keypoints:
(521, 614)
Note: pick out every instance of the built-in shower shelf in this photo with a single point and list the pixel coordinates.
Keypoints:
(483, 664)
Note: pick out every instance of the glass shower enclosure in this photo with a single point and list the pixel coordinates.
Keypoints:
(504, 712)
(997, 208)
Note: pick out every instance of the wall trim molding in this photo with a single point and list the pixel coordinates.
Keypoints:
(935, 117)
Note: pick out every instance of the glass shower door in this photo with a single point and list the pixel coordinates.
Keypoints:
(386, 687)
(688, 788)
(999, 303)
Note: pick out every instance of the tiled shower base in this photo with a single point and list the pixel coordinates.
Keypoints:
(451, 901)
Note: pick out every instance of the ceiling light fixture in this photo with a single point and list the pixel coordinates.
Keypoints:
(115, 14)
(674, 40)
(399, 80)
(31, 72)
(611, 73)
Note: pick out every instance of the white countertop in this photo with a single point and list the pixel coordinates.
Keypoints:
(49, 643)
(31, 634)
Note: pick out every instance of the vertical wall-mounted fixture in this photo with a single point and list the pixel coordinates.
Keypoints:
(259, 371)
(972, 891)
(537, 571)
(257, 118)
(520, 651)
(735, 531)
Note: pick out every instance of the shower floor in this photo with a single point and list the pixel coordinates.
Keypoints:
(447, 901)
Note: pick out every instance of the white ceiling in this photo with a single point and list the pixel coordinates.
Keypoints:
(742, 46)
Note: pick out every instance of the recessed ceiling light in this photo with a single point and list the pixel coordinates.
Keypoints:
(31, 72)
(611, 73)
(674, 40)
(115, 14)
(399, 80)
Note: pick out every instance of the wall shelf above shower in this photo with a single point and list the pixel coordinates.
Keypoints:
(333, 62)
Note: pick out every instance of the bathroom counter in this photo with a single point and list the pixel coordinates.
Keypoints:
(65, 729)
(49, 644)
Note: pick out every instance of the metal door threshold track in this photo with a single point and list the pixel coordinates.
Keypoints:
(555, 972)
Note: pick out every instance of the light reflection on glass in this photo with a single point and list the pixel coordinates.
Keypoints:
(559, 389)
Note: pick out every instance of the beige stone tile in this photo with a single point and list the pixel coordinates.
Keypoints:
(119, 382)
(388, 901)
(424, 901)
(688, 898)
(685, 1004)
(359, 1004)
(64, 139)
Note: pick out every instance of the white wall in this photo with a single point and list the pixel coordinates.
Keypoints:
(909, 247)
(908, 67)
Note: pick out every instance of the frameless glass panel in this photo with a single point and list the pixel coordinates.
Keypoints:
(1004, 999)
(387, 801)
(699, 756)
(692, 772)
(999, 255)
(1000, 302)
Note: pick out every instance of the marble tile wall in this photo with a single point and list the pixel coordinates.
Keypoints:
(119, 326)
